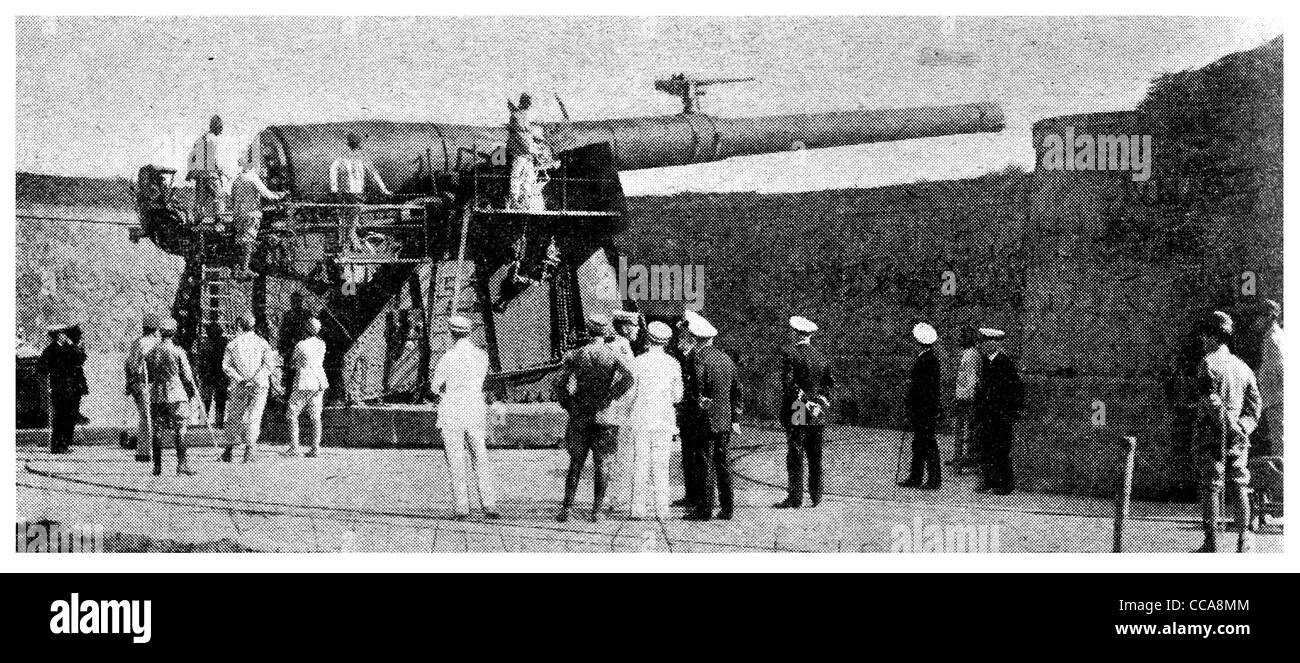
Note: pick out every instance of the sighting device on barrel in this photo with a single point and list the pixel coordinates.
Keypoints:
(691, 89)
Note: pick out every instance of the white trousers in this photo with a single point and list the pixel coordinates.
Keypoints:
(525, 194)
(314, 403)
(646, 470)
(244, 411)
(469, 446)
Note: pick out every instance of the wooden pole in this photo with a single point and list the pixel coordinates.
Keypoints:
(1128, 446)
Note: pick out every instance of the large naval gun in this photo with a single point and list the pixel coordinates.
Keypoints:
(449, 242)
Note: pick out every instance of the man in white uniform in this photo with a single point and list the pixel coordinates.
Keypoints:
(461, 418)
(137, 383)
(248, 363)
(652, 424)
(309, 385)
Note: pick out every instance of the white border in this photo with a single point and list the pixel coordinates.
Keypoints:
(497, 562)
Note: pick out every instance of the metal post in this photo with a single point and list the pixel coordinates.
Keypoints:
(1128, 446)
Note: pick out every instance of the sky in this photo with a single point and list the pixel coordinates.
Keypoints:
(101, 96)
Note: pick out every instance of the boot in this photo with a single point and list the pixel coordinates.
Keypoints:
(182, 465)
(1209, 521)
(1241, 512)
(248, 453)
(228, 455)
(157, 455)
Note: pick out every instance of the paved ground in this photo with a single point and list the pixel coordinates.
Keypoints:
(398, 500)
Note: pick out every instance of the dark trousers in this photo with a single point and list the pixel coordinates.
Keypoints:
(925, 453)
(995, 438)
(215, 391)
(64, 410)
(801, 442)
(710, 452)
(691, 466)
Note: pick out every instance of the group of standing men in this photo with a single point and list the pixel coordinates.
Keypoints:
(163, 386)
(623, 412)
(348, 177)
(989, 398)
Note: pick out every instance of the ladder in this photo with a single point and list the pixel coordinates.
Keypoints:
(213, 297)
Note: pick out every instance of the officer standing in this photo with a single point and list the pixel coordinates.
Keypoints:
(172, 382)
(1228, 411)
(462, 416)
(687, 424)
(999, 398)
(652, 422)
(714, 406)
(137, 383)
(62, 362)
(806, 382)
(923, 412)
(601, 376)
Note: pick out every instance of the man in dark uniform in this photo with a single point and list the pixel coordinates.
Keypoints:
(806, 382)
(687, 427)
(999, 398)
(713, 404)
(923, 411)
(293, 328)
(62, 362)
(601, 375)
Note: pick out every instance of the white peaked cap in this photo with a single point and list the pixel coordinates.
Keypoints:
(924, 333)
(459, 323)
(659, 332)
(802, 325)
(698, 326)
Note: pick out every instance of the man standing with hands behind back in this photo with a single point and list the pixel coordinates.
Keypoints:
(806, 382)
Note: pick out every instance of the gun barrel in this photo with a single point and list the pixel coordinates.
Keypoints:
(715, 81)
(678, 140)
(402, 151)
